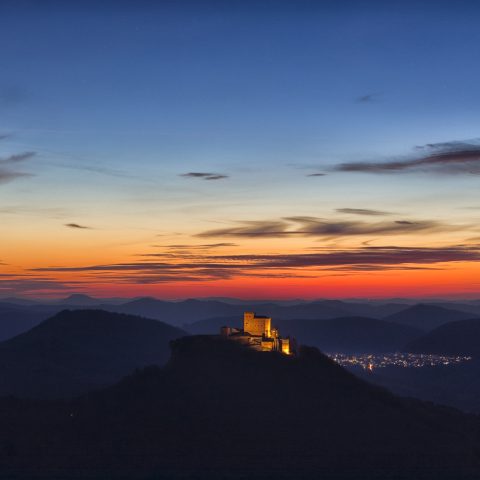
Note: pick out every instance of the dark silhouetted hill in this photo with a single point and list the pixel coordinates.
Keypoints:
(427, 317)
(219, 410)
(454, 338)
(79, 299)
(453, 384)
(190, 311)
(178, 313)
(350, 334)
(327, 309)
(472, 308)
(211, 326)
(75, 351)
(16, 319)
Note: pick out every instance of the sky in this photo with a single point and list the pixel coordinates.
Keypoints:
(288, 149)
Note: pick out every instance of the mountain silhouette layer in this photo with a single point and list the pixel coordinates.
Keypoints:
(220, 410)
(17, 316)
(75, 351)
(454, 338)
(350, 334)
(16, 319)
(427, 317)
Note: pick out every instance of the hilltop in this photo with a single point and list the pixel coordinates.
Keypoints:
(220, 410)
(75, 351)
(454, 338)
(344, 334)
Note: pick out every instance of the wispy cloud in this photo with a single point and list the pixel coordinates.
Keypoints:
(94, 169)
(77, 226)
(16, 158)
(7, 174)
(205, 267)
(53, 212)
(267, 228)
(34, 284)
(318, 227)
(316, 175)
(204, 175)
(204, 246)
(368, 98)
(439, 158)
(362, 211)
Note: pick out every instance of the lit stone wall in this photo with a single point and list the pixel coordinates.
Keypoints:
(256, 326)
(285, 346)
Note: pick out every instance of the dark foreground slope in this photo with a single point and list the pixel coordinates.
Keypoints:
(76, 351)
(219, 410)
(454, 385)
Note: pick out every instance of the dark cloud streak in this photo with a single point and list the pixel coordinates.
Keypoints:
(6, 173)
(16, 158)
(207, 267)
(318, 227)
(77, 226)
(204, 175)
(439, 158)
(362, 211)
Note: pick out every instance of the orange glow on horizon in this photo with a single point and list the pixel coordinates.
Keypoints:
(99, 265)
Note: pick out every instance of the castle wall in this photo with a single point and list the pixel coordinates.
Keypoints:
(257, 326)
(285, 346)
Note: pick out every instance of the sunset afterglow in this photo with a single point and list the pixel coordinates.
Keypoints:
(324, 159)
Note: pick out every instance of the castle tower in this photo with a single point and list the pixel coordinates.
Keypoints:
(257, 326)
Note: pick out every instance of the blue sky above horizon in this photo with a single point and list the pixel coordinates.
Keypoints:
(120, 102)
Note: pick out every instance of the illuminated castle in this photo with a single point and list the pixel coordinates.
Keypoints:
(258, 334)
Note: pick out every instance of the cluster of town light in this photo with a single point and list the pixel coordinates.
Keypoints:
(369, 361)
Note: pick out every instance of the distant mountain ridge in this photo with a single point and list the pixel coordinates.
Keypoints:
(454, 338)
(188, 311)
(76, 351)
(350, 334)
(427, 317)
(18, 317)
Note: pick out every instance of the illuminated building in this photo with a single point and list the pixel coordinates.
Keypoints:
(259, 334)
